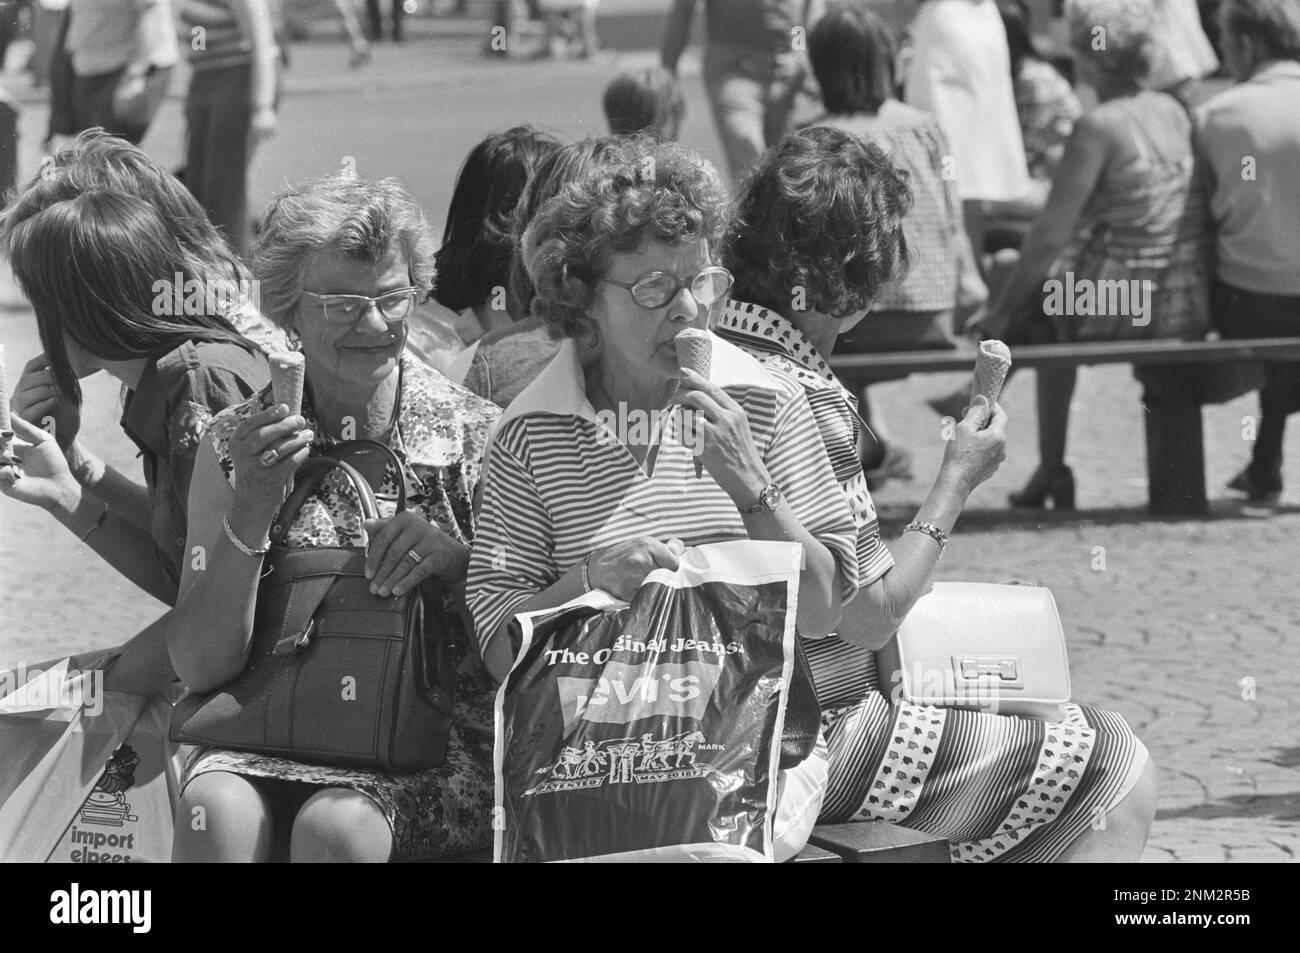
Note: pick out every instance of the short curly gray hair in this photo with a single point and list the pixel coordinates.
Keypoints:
(361, 219)
(640, 189)
(1115, 35)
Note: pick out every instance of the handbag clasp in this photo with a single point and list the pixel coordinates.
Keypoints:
(974, 668)
(295, 643)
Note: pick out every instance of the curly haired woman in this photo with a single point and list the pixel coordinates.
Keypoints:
(825, 212)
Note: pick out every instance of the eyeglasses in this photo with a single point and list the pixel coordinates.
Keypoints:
(657, 288)
(349, 309)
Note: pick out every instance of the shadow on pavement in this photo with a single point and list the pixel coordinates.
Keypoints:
(1279, 807)
(894, 517)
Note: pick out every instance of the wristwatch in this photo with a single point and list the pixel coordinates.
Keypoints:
(768, 500)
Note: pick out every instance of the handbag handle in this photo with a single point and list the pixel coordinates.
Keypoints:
(313, 471)
(305, 482)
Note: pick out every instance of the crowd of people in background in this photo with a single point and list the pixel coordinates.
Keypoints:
(905, 175)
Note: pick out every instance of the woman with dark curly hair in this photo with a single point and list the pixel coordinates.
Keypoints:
(824, 213)
(622, 261)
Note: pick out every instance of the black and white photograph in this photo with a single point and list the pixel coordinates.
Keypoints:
(651, 431)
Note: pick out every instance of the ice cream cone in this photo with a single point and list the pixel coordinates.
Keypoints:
(288, 369)
(992, 362)
(695, 353)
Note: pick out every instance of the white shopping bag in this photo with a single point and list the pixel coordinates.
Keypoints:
(86, 776)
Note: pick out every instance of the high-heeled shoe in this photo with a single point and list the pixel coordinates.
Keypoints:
(1056, 485)
(1257, 492)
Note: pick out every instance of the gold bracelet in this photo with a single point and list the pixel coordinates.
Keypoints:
(103, 515)
(586, 579)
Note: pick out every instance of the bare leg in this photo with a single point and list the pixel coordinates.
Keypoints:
(1055, 391)
(339, 825)
(1123, 832)
(222, 818)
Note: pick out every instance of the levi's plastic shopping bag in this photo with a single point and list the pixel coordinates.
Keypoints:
(86, 775)
(650, 731)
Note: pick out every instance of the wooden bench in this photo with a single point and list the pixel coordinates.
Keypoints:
(1171, 373)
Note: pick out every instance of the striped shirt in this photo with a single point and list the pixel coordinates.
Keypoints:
(560, 484)
(783, 348)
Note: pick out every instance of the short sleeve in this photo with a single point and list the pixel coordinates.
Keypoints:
(798, 464)
(838, 426)
(204, 392)
(513, 557)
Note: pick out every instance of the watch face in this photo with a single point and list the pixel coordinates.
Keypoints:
(770, 497)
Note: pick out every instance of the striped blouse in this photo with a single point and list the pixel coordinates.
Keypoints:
(782, 347)
(560, 485)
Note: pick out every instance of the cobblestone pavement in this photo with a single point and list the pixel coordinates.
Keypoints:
(1190, 628)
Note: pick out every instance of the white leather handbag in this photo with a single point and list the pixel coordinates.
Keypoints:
(993, 647)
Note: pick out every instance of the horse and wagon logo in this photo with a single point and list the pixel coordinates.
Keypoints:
(630, 760)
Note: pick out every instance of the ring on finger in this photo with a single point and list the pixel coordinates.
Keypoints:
(269, 457)
(414, 557)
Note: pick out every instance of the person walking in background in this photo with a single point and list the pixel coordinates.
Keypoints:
(230, 106)
(1249, 139)
(119, 58)
(960, 71)
(356, 36)
(376, 20)
(754, 69)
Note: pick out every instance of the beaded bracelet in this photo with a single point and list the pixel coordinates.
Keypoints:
(239, 543)
(929, 529)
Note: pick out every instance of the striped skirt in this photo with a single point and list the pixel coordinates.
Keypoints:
(998, 787)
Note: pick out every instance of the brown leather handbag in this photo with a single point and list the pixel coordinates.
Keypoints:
(337, 676)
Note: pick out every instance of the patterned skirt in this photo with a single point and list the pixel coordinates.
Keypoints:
(431, 813)
(1000, 788)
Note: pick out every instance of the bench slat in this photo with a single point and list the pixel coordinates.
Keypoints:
(873, 842)
(855, 367)
(813, 854)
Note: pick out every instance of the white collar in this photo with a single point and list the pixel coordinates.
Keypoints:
(561, 387)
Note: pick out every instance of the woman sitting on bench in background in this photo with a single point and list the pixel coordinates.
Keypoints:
(824, 211)
(1122, 238)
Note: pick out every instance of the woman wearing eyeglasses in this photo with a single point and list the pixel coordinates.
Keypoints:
(341, 262)
(622, 261)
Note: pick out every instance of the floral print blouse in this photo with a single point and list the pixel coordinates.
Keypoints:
(440, 436)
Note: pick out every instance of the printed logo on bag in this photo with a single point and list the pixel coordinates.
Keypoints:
(77, 906)
(103, 836)
(648, 760)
